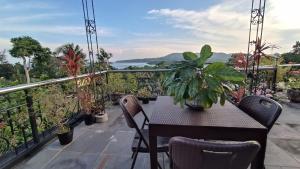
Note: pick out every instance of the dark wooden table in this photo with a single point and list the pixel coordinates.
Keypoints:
(217, 123)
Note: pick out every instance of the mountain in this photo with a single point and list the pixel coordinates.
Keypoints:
(173, 57)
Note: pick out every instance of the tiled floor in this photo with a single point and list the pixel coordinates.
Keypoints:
(107, 145)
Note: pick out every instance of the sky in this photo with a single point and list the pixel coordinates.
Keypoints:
(149, 28)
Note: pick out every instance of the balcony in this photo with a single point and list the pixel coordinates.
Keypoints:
(108, 145)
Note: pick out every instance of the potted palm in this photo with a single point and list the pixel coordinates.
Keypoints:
(57, 107)
(198, 85)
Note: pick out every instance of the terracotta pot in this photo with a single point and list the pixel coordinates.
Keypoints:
(101, 118)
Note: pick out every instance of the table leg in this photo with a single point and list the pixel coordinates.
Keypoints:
(258, 162)
(153, 151)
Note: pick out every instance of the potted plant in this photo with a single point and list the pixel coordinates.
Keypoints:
(117, 87)
(91, 99)
(198, 85)
(293, 84)
(57, 107)
(144, 94)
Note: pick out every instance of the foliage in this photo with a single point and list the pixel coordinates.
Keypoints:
(144, 93)
(296, 48)
(117, 83)
(294, 80)
(72, 62)
(57, 107)
(7, 71)
(103, 60)
(192, 80)
(44, 65)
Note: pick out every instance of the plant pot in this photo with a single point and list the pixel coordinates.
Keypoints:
(65, 138)
(153, 98)
(194, 106)
(294, 95)
(115, 98)
(89, 119)
(101, 118)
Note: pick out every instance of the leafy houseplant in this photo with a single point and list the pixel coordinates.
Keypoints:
(192, 81)
(57, 108)
(144, 94)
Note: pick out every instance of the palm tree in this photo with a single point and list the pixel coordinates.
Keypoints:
(64, 49)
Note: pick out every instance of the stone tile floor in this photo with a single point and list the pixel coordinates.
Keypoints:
(107, 145)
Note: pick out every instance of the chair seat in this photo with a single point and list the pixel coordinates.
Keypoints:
(162, 143)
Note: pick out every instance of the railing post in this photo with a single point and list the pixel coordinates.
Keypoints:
(274, 79)
(32, 118)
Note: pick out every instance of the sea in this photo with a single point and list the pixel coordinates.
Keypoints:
(123, 65)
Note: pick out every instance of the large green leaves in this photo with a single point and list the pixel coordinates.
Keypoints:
(225, 73)
(205, 54)
(189, 56)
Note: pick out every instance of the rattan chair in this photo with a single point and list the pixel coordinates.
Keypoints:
(264, 110)
(188, 153)
(131, 108)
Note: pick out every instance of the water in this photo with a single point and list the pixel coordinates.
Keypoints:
(119, 65)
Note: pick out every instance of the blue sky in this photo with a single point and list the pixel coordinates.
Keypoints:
(149, 28)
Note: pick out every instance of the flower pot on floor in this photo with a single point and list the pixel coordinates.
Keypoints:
(89, 119)
(101, 118)
(65, 138)
(294, 95)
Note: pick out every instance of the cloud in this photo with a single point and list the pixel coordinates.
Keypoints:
(24, 5)
(52, 29)
(225, 25)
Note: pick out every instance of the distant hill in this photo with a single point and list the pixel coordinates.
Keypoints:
(173, 57)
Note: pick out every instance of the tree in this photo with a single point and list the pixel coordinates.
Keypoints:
(7, 71)
(3, 57)
(103, 59)
(296, 48)
(25, 47)
(63, 50)
(44, 65)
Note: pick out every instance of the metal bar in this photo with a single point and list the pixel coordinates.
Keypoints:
(32, 118)
(42, 83)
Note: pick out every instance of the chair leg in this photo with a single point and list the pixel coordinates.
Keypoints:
(163, 157)
(134, 159)
(135, 154)
(132, 155)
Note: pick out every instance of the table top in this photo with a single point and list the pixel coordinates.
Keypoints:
(167, 113)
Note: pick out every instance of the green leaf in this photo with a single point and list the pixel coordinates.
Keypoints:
(222, 99)
(214, 67)
(230, 74)
(193, 88)
(204, 55)
(213, 96)
(189, 56)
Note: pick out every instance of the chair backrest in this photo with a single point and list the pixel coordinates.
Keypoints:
(264, 110)
(130, 107)
(188, 153)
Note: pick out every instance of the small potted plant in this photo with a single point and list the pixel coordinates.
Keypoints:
(57, 107)
(198, 85)
(293, 85)
(144, 94)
